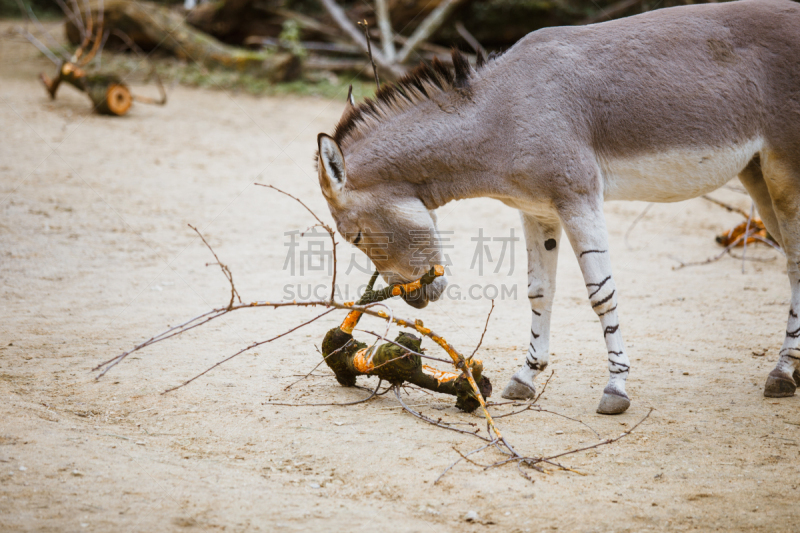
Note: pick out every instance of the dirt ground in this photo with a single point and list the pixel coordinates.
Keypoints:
(96, 256)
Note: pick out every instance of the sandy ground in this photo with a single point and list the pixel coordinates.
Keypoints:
(96, 255)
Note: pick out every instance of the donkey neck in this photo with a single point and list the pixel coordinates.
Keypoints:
(439, 151)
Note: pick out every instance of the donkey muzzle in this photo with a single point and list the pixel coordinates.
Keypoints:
(429, 293)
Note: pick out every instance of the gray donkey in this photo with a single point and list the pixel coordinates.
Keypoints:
(660, 107)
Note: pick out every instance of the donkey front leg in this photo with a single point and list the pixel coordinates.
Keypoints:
(542, 239)
(587, 234)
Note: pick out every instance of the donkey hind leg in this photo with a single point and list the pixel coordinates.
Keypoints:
(542, 242)
(753, 180)
(783, 179)
(587, 233)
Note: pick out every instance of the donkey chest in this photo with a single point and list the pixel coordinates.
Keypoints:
(675, 174)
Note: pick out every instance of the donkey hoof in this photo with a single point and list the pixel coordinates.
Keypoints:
(779, 385)
(517, 390)
(612, 403)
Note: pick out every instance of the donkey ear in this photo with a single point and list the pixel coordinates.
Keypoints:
(332, 174)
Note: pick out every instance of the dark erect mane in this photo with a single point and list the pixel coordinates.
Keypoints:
(420, 84)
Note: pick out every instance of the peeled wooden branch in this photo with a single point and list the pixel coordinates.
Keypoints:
(398, 362)
(108, 93)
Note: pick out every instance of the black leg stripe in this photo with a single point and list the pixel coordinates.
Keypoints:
(604, 300)
(785, 352)
(606, 312)
(598, 285)
(592, 252)
(610, 330)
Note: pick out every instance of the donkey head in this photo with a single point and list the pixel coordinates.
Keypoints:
(397, 232)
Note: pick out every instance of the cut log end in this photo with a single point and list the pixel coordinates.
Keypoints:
(118, 100)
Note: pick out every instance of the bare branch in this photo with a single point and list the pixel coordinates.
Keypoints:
(28, 11)
(368, 398)
(471, 40)
(463, 457)
(427, 28)
(485, 327)
(432, 421)
(225, 270)
(728, 207)
(321, 223)
(339, 16)
(385, 25)
(746, 231)
(534, 460)
(636, 220)
(324, 358)
(369, 53)
(40, 45)
(717, 257)
(254, 345)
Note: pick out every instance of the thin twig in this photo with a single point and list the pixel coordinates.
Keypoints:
(426, 28)
(432, 421)
(485, 327)
(322, 224)
(339, 16)
(374, 393)
(254, 345)
(471, 40)
(369, 53)
(225, 270)
(636, 220)
(746, 231)
(717, 257)
(533, 460)
(381, 337)
(28, 11)
(39, 45)
(728, 207)
(463, 457)
(537, 409)
(324, 358)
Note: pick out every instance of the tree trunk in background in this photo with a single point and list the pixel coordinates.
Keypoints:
(152, 26)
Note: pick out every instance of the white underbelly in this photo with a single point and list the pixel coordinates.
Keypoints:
(674, 175)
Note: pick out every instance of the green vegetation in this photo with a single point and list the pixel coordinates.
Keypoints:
(174, 71)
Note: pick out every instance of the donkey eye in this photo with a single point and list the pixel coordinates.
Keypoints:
(357, 239)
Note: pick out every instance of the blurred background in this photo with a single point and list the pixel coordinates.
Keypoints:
(259, 45)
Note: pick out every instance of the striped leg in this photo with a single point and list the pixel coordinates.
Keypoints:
(784, 378)
(783, 178)
(542, 240)
(587, 233)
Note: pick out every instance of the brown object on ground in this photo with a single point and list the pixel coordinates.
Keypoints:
(153, 26)
(757, 233)
(398, 362)
(108, 93)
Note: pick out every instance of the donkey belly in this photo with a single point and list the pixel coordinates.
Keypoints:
(676, 174)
